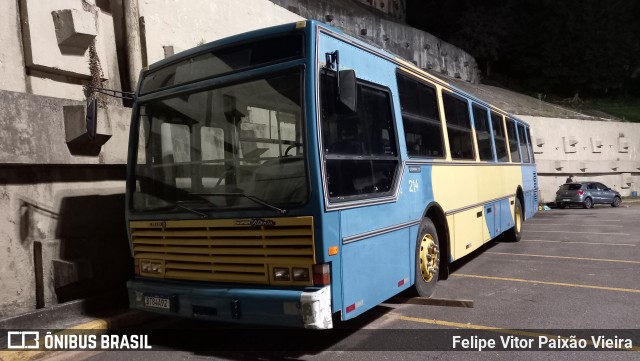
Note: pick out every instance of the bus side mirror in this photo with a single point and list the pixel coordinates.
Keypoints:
(348, 91)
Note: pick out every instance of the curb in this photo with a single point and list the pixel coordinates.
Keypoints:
(86, 314)
(120, 320)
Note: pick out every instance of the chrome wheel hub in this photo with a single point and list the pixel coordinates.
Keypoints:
(429, 257)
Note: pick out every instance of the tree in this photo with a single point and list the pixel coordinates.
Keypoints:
(566, 47)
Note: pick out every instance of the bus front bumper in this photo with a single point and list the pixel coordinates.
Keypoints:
(296, 308)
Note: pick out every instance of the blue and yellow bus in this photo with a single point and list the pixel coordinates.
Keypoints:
(292, 174)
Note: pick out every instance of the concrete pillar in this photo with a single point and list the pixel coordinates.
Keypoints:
(132, 36)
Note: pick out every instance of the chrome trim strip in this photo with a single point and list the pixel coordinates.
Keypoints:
(377, 232)
(454, 163)
(454, 211)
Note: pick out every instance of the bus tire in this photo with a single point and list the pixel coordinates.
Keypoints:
(515, 233)
(427, 259)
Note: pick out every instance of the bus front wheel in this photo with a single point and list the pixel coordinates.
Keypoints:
(427, 259)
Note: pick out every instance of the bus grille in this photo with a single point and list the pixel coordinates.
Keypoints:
(229, 251)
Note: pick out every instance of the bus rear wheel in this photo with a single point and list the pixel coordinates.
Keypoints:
(427, 259)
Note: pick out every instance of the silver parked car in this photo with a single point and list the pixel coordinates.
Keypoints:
(586, 194)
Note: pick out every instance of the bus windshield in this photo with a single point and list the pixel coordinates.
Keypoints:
(233, 147)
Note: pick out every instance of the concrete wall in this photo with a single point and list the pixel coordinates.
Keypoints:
(607, 152)
(184, 24)
(62, 230)
(365, 23)
(47, 66)
(394, 9)
(12, 74)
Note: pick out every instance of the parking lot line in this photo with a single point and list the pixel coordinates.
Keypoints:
(564, 257)
(573, 232)
(470, 326)
(572, 225)
(568, 215)
(591, 243)
(629, 290)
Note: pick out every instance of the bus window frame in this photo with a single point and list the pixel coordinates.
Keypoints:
(507, 119)
(332, 203)
(530, 144)
(481, 107)
(439, 114)
(522, 126)
(505, 142)
(213, 83)
(458, 127)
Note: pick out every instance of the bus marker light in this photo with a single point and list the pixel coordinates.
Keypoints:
(333, 250)
(321, 274)
(151, 267)
(300, 274)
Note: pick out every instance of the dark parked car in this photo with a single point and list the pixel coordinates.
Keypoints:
(586, 194)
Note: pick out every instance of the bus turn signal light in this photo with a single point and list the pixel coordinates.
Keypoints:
(333, 250)
(321, 274)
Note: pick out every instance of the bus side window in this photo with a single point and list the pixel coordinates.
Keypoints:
(530, 144)
(524, 150)
(421, 119)
(500, 139)
(483, 133)
(513, 140)
(456, 111)
(360, 149)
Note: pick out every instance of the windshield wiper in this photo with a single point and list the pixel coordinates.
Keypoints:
(203, 215)
(178, 205)
(255, 199)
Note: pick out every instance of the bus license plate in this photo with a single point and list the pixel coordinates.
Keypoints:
(157, 302)
(566, 200)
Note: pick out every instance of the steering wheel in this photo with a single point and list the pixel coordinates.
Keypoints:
(286, 152)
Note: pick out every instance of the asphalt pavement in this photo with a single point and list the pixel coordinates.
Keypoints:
(575, 271)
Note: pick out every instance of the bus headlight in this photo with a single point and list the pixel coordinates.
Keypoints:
(281, 274)
(300, 274)
(151, 266)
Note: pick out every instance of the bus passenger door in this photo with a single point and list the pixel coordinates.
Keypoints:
(362, 168)
(468, 226)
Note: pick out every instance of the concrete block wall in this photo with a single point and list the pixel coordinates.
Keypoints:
(62, 229)
(367, 24)
(395, 9)
(54, 68)
(184, 24)
(607, 152)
